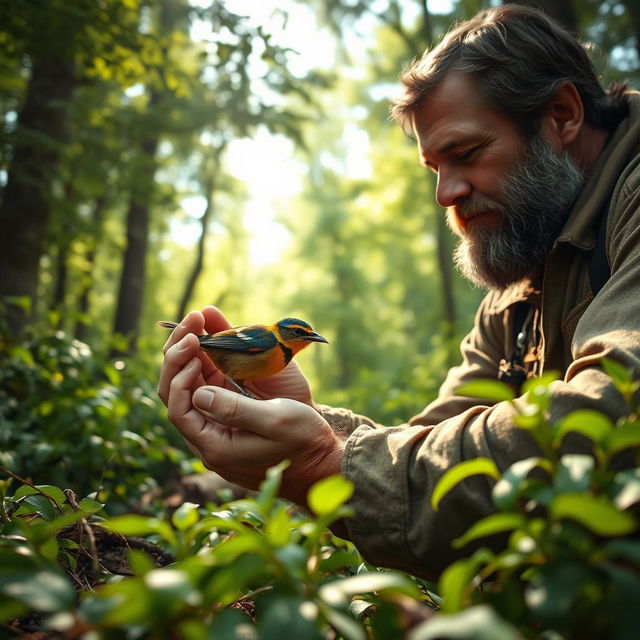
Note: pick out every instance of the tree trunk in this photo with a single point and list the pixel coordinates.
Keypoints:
(26, 210)
(64, 234)
(132, 277)
(83, 300)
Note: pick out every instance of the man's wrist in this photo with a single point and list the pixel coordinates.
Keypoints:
(327, 464)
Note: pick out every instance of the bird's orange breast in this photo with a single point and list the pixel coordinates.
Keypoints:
(247, 365)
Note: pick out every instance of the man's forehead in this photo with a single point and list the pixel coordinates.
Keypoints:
(452, 114)
(456, 93)
(441, 133)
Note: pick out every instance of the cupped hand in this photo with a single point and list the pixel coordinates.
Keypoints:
(241, 437)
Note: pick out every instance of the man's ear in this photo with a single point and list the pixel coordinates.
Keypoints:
(564, 116)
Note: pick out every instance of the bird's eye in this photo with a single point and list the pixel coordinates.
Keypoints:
(300, 332)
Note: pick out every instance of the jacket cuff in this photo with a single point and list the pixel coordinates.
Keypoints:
(375, 461)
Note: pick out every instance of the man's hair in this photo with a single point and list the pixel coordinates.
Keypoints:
(519, 58)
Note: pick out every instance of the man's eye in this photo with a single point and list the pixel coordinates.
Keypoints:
(468, 154)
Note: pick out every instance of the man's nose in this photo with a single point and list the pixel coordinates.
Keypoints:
(451, 186)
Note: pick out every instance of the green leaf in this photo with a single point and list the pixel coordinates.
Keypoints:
(623, 549)
(295, 559)
(574, 473)
(42, 591)
(63, 521)
(49, 548)
(555, 589)
(24, 302)
(90, 506)
(341, 591)
(134, 525)
(344, 624)
(41, 504)
(540, 384)
(617, 372)
(460, 472)
(338, 560)
(270, 485)
(278, 527)
(491, 390)
(495, 523)
(185, 516)
(140, 562)
(623, 437)
(624, 587)
(297, 615)
(587, 422)
(170, 586)
(234, 547)
(328, 494)
(456, 580)
(507, 489)
(627, 484)
(596, 514)
(55, 493)
(476, 623)
(229, 623)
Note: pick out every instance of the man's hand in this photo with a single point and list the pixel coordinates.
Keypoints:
(239, 437)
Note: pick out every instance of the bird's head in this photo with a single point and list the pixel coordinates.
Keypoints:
(296, 334)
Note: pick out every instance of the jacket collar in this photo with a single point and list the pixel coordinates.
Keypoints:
(580, 228)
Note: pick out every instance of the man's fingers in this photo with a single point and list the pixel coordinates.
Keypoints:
(214, 320)
(175, 359)
(193, 322)
(180, 409)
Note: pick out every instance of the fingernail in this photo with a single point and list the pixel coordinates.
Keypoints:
(184, 343)
(203, 398)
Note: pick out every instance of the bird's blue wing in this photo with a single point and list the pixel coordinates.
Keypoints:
(249, 339)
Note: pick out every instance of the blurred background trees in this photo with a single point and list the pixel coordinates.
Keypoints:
(160, 155)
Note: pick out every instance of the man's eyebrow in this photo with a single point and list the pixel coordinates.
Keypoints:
(463, 141)
(451, 144)
(448, 146)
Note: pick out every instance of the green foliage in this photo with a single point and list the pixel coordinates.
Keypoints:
(249, 568)
(568, 566)
(69, 416)
(571, 561)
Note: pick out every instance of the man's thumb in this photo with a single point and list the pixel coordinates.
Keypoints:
(219, 404)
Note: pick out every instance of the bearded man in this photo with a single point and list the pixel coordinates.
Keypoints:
(533, 157)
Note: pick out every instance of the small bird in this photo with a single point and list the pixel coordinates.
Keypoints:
(255, 350)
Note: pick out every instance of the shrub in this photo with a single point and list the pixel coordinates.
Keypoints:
(72, 418)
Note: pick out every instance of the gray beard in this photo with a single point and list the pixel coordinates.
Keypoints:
(535, 201)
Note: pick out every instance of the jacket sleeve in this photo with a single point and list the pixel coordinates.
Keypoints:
(394, 469)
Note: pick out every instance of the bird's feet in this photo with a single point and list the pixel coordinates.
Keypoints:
(239, 388)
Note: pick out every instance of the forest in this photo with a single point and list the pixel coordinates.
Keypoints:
(163, 155)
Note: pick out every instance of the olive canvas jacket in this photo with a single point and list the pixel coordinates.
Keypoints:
(394, 469)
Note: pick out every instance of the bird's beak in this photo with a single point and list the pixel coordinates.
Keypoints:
(315, 337)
